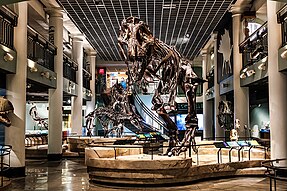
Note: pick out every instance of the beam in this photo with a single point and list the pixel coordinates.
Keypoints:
(6, 2)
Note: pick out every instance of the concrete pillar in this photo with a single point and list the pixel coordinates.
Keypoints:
(219, 132)
(77, 102)
(207, 106)
(277, 87)
(241, 94)
(16, 93)
(92, 60)
(56, 95)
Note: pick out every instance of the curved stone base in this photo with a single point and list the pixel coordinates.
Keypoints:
(142, 170)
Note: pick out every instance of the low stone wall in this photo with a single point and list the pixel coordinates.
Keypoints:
(141, 170)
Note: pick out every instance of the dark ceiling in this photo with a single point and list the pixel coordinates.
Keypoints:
(185, 24)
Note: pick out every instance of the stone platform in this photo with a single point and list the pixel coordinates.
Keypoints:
(122, 166)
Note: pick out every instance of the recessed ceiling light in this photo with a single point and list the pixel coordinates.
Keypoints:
(169, 6)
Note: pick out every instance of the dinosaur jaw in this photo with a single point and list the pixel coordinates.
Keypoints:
(4, 119)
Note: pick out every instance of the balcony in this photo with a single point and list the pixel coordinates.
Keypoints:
(282, 52)
(8, 20)
(254, 57)
(86, 79)
(70, 69)
(40, 50)
(255, 47)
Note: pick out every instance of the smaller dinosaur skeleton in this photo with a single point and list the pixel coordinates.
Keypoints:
(5, 107)
(117, 112)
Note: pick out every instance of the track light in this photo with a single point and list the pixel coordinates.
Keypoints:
(264, 59)
(262, 66)
(284, 54)
(8, 57)
(250, 73)
(243, 75)
(45, 74)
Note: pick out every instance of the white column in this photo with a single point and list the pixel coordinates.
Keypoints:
(277, 88)
(16, 93)
(207, 106)
(241, 94)
(92, 60)
(56, 95)
(77, 102)
(219, 132)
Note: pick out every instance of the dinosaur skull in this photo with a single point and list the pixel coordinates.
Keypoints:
(5, 108)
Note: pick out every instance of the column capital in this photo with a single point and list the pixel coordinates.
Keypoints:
(203, 52)
(214, 35)
(92, 53)
(77, 37)
(55, 12)
(236, 10)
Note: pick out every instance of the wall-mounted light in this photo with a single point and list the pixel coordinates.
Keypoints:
(212, 56)
(284, 54)
(242, 75)
(52, 78)
(262, 66)
(8, 57)
(250, 73)
(34, 69)
(31, 65)
(224, 85)
(245, 69)
(264, 59)
(45, 74)
(28, 86)
(257, 52)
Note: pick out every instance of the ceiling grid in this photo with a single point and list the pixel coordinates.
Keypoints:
(185, 24)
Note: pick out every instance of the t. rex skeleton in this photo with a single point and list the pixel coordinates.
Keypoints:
(148, 58)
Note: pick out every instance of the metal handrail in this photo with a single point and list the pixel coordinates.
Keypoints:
(253, 35)
(5, 150)
(275, 172)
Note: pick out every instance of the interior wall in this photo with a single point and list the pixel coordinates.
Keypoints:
(42, 109)
(259, 118)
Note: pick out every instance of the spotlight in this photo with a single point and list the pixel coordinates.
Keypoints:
(250, 73)
(262, 66)
(45, 74)
(242, 75)
(245, 69)
(52, 78)
(212, 56)
(264, 59)
(284, 54)
(257, 52)
(31, 65)
(69, 101)
(8, 57)
(34, 69)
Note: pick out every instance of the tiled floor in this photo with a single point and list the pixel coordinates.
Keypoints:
(71, 175)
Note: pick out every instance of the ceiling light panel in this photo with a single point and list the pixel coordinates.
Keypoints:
(169, 20)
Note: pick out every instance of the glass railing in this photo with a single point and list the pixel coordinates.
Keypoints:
(40, 50)
(255, 47)
(156, 120)
(8, 20)
(70, 69)
(86, 79)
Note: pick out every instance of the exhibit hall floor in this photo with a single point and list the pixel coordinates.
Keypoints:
(71, 175)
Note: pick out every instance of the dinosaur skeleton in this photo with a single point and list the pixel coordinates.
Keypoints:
(117, 112)
(6, 107)
(148, 58)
